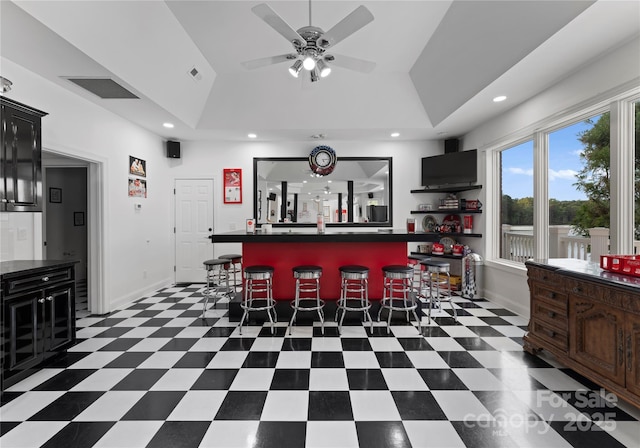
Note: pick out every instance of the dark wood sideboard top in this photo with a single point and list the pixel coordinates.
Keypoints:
(588, 271)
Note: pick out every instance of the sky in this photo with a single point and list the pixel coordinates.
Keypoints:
(564, 164)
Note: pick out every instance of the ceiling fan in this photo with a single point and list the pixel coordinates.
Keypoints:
(312, 43)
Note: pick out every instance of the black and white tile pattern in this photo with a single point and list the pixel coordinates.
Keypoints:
(157, 375)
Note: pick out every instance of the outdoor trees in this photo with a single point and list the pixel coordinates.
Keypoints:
(594, 178)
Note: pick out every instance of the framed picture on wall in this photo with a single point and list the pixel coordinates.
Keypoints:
(55, 195)
(137, 167)
(232, 185)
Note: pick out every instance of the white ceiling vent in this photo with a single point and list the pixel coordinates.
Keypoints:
(105, 88)
(195, 74)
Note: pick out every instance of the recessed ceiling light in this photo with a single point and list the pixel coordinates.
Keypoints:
(395, 134)
(499, 98)
(252, 135)
(168, 125)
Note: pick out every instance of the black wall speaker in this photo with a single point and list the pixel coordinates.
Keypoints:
(451, 145)
(173, 149)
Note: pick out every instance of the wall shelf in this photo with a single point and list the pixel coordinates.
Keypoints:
(444, 212)
(449, 256)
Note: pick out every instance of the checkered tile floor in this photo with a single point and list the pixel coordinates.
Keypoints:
(157, 375)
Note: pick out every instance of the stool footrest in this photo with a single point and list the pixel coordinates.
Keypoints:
(304, 307)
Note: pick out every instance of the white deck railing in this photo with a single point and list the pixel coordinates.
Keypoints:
(517, 243)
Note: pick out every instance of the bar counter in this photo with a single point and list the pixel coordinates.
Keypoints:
(284, 249)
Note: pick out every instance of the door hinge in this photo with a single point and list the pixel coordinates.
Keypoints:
(174, 230)
(174, 191)
(174, 269)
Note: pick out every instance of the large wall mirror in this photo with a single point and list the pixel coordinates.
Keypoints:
(357, 193)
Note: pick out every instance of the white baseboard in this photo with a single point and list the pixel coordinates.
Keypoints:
(142, 292)
(522, 309)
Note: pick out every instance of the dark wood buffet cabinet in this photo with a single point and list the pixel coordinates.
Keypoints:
(38, 315)
(589, 319)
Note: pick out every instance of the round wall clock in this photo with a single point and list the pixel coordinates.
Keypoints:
(322, 160)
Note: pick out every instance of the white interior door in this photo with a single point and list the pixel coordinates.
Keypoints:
(194, 223)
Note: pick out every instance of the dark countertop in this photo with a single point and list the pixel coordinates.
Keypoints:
(281, 236)
(8, 268)
(588, 271)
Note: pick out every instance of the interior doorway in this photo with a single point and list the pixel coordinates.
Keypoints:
(65, 228)
(73, 228)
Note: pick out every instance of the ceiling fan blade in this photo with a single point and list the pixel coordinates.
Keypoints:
(277, 23)
(346, 27)
(263, 62)
(358, 65)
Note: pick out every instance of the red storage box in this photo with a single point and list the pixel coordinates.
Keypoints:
(622, 264)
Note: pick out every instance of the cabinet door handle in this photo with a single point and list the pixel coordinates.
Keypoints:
(551, 314)
(40, 300)
(4, 200)
(12, 201)
(621, 347)
(577, 289)
(629, 353)
(551, 333)
(552, 295)
(45, 278)
(49, 298)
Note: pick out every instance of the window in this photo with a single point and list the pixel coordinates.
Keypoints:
(578, 187)
(516, 208)
(563, 192)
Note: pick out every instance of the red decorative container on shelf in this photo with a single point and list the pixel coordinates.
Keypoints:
(621, 264)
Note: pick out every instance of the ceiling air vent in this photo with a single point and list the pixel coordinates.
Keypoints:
(105, 88)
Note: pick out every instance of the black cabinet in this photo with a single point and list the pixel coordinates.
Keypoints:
(20, 157)
(38, 320)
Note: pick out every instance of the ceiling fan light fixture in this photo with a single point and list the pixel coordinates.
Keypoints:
(309, 62)
(314, 75)
(325, 69)
(296, 68)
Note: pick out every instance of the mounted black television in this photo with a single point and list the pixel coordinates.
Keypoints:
(454, 168)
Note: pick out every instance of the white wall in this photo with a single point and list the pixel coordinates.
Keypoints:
(133, 240)
(611, 74)
(208, 159)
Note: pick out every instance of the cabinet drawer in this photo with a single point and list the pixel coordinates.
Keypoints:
(591, 290)
(550, 294)
(549, 333)
(544, 276)
(550, 313)
(38, 280)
